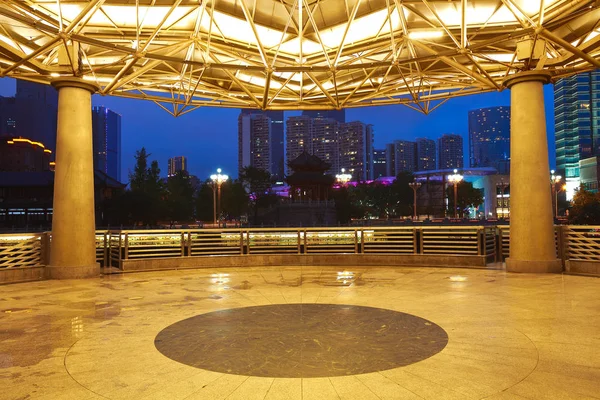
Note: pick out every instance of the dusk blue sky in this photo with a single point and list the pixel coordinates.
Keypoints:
(208, 136)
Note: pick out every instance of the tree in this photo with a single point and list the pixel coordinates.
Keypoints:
(180, 198)
(139, 177)
(403, 194)
(234, 199)
(585, 208)
(147, 192)
(467, 196)
(258, 183)
(204, 202)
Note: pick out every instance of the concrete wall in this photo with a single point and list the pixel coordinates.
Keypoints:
(582, 267)
(25, 274)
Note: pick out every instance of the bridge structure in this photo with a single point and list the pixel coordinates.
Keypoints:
(298, 54)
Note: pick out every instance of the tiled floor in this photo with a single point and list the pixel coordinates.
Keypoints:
(510, 336)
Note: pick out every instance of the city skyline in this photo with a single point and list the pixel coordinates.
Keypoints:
(208, 136)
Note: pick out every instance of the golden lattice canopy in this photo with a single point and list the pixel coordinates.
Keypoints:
(296, 54)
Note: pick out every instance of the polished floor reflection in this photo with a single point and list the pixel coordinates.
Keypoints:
(509, 336)
(301, 340)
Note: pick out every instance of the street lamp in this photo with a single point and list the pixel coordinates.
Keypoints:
(414, 186)
(455, 179)
(217, 180)
(343, 178)
(554, 180)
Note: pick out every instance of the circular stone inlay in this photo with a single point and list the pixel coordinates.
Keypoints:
(301, 340)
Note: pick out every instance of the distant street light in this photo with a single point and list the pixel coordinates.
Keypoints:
(455, 179)
(343, 178)
(217, 180)
(414, 186)
(555, 180)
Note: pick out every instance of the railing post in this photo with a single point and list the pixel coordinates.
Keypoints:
(106, 260)
(182, 239)
(299, 242)
(561, 243)
(500, 244)
(415, 241)
(305, 249)
(356, 241)
(479, 242)
(126, 253)
(362, 240)
(45, 248)
(421, 241)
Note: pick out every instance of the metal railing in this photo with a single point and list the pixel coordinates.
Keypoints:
(464, 240)
(21, 250)
(582, 243)
(577, 243)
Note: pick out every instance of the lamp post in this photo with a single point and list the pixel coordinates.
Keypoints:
(455, 178)
(554, 180)
(343, 178)
(217, 180)
(414, 186)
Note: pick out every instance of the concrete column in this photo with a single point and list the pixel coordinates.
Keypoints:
(532, 246)
(73, 249)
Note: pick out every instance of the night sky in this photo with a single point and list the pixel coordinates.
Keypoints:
(208, 136)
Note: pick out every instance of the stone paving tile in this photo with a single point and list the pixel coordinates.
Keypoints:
(510, 336)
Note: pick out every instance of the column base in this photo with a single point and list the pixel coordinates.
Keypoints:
(79, 272)
(535, 267)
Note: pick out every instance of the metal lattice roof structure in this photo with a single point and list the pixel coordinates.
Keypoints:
(295, 54)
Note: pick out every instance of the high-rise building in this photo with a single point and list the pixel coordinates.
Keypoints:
(354, 148)
(450, 152)
(30, 114)
(489, 137)
(324, 142)
(369, 161)
(577, 124)
(379, 163)
(276, 142)
(405, 156)
(106, 133)
(177, 164)
(298, 136)
(338, 115)
(426, 154)
(390, 159)
(255, 142)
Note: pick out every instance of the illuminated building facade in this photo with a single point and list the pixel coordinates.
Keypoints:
(401, 157)
(254, 142)
(30, 114)
(450, 152)
(426, 154)
(298, 137)
(489, 137)
(325, 142)
(276, 139)
(106, 131)
(576, 117)
(355, 150)
(176, 164)
(24, 155)
(338, 115)
(379, 163)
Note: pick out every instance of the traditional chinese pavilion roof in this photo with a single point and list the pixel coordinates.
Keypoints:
(309, 162)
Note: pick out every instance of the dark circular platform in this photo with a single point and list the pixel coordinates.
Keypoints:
(301, 340)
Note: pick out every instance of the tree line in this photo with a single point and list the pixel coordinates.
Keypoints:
(150, 200)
